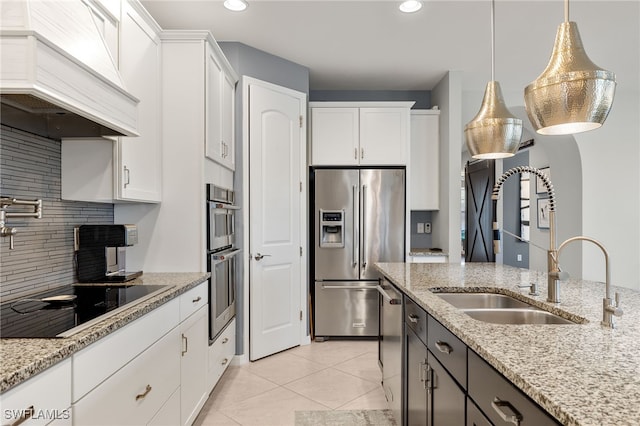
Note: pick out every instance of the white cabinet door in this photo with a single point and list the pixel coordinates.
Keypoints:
(41, 399)
(220, 100)
(425, 170)
(335, 136)
(193, 365)
(213, 110)
(384, 136)
(139, 159)
(228, 114)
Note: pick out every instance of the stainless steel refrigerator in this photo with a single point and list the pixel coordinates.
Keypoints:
(359, 220)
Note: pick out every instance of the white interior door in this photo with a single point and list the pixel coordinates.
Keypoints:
(275, 158)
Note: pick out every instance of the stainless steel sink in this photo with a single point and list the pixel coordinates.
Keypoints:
(516, 316)
(501, 309)
(482, 301)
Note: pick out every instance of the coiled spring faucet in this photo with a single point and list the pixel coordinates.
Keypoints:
(554, 274)
(6, 202)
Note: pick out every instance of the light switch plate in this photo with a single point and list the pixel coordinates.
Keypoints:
(420, 229)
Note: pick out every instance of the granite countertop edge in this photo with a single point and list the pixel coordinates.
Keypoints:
(552, 364)
(25, 358)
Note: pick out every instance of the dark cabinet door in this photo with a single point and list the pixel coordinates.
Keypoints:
(448, 399)
(416, 385)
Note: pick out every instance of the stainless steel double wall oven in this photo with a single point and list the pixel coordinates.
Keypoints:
(221, 257)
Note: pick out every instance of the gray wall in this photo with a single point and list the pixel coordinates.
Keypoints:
(251, 62)
(43, 257)
(511, 247)
(421, 97)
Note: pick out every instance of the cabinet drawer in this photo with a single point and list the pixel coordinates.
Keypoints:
(499, 399)
(46, 396)
(221, 352)
(416, 318)
(193, 300)
(136, 392)
(100, 360)
(475, 416)
(449, 350)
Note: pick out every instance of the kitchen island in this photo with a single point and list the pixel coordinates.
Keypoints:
(581, 374)
(24, 358)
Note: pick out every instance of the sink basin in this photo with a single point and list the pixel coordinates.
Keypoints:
(482, 301)
(501, 309)
(516, 316)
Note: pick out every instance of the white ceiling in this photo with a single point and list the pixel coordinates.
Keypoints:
(371, 45)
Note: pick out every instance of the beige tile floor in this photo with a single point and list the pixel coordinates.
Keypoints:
(331, 375)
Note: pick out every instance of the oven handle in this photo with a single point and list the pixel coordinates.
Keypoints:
(349, 287)
(220, 206)
(221, 257)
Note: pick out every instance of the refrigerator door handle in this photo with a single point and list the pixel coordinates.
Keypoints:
(354, 253)
(363, 250)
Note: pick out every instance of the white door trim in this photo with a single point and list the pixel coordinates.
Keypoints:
(246, 81)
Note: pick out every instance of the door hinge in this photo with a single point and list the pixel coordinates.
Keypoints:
(301, 315)
(300, 251)
(301, 122)
(300, 186)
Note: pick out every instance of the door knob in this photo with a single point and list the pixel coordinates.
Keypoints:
(260, 256)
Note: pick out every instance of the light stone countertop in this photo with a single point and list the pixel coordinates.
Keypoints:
(24, 358)
(426, 252)
(582, 374)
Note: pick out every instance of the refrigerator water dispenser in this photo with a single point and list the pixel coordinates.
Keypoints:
(331, 228)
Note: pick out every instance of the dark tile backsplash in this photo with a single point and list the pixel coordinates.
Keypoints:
(43, 257)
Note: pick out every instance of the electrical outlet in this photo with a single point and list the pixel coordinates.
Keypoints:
(519, 258)
(420, 229)
(427, 227)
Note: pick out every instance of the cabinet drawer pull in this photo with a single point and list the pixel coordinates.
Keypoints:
(224, 361)
(355, 153)
(513, 416)
(413, 318)
(197, 299)
(144, 394)
(361, 153)
(186, 344)
(444, 347)
(26, 415)
(225, 340)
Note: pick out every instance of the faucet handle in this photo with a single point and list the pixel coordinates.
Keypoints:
(617, 311)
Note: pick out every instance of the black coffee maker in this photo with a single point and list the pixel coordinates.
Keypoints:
(101, 252)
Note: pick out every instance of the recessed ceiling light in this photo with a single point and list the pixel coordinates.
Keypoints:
(236, 5)
(410, 6)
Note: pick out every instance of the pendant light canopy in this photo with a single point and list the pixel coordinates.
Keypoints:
(494, 132)
(572, 94)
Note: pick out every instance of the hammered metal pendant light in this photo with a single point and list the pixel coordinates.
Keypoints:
(572, 94)
(494, 132)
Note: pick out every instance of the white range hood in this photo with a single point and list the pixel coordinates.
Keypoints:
(57, 77)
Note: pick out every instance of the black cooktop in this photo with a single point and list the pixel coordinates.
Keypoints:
(65, 309)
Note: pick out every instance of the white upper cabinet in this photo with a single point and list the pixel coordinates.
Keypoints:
(335, 136)
(220, 101)
(140, 159)
(124, 168)
(424, 162)
(362, 133)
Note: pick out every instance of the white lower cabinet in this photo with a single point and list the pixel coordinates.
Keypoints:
(221, 352)
(193, 363)
(136, 392)
(41, 400)
(153, 371)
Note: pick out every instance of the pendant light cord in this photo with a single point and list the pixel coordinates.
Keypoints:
(566, 10)
(493, 41)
